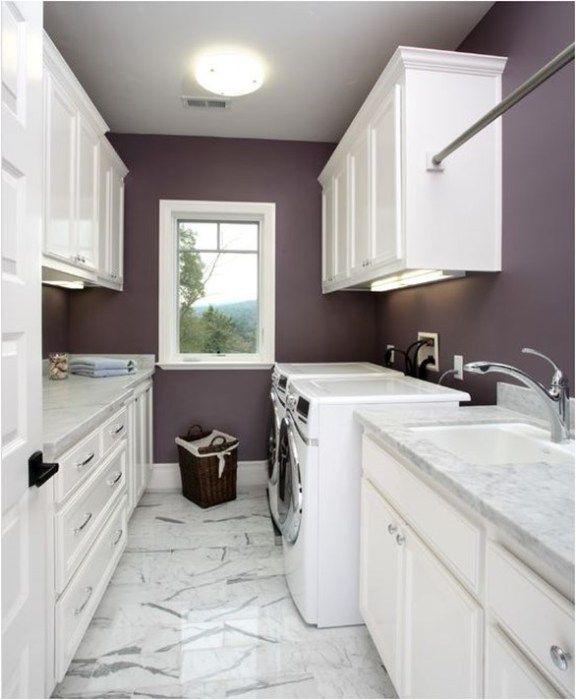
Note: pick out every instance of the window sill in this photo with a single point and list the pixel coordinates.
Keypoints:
(214, 365)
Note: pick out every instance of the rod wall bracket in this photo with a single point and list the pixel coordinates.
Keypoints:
(431, 165)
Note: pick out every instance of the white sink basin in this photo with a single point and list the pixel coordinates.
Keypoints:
(501, 443)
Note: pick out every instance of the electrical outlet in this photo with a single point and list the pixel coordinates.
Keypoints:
(458, 367)
(427, 350)
(391, 354)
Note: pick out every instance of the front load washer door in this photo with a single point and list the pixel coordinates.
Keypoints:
(289, 483)
(273, 440)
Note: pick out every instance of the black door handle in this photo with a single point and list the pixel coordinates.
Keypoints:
(39, 471)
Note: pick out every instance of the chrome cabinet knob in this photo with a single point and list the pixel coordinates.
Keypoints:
(560, 657)
(392, 529)
(400, 539)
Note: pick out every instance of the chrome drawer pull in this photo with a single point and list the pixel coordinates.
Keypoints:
(86, 521)
(117, 430)
(116, 479)
(392, 529)
(89, 591)
(400, 539)
(118, 538)
(560, 657)
(80, 465)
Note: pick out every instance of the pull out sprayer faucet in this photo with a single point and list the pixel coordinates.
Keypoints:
(555, 399)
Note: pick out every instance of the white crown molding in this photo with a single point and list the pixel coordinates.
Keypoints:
(450, 61)
(406, 59)
(104, 143)
(62, 72)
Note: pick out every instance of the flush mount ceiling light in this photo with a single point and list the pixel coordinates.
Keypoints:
(229, 74)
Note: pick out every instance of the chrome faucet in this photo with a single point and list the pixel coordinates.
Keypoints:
(556, 399)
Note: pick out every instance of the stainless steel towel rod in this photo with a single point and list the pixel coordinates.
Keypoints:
(532, 83)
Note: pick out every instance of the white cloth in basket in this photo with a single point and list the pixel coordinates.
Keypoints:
(192, 447)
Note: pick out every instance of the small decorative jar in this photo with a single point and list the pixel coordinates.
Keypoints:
(58, 365)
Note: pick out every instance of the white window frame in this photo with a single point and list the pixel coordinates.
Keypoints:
(171, 210)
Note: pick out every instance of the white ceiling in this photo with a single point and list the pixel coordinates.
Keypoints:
(134, 59)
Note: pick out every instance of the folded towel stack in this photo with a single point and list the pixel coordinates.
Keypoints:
(101, 366)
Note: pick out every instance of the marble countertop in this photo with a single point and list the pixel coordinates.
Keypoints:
(73, 407)
(532, 503)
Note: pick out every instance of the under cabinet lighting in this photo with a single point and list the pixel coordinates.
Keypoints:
(413, 278)
(65, 284)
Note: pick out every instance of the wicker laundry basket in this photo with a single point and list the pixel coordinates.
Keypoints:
(208, 467)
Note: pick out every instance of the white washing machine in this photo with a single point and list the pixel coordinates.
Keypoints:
(282, 374)
(319, 474)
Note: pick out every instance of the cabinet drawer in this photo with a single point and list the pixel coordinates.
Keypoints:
(455, 538)
(79, 521)
(535, 615)
(115, 429)
(75, 608)
(77, 464)
(509, 674)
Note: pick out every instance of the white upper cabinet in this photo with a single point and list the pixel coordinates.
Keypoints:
(360, 228)
(87, 195)
(406, 224)
(111, 245)
(60, 143)
(83, 229)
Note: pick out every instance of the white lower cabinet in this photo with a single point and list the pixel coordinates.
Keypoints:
(509, 674)
(442, 629)
(452, 612)
(140, 416)
(100, 482)
(427, 629)
(77, 605)
(382, 566)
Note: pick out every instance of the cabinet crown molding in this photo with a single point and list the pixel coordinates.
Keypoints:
(59, 69)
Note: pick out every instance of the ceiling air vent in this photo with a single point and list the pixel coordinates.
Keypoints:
(206, 102)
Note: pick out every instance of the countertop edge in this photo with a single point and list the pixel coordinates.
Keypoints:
(562, 566)
(54, 450)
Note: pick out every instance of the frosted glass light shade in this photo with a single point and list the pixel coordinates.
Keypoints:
(229, 74)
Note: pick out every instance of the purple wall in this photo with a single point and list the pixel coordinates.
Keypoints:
(491, 316)
(309, 326)
(55, 307)
(531, 302)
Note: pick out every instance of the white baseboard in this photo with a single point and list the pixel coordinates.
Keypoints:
(166, 477)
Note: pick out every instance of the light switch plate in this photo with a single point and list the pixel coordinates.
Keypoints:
(427, 350)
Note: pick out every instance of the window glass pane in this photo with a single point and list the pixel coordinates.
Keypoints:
(198, 234)
(218, 297)
(235, 236)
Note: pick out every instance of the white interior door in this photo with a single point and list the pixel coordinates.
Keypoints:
(24, 546)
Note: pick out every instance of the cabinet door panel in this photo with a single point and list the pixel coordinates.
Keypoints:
(509, 674)
(341, 222)
(381, 574)
(61, 125)
(328, 234)
(443, 630)
(104, 221)
(360, 202)
(116, 225)
(386, 181)
(87, 194)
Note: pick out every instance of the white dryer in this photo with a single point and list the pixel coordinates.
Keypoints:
(319, 475)
(287, 371)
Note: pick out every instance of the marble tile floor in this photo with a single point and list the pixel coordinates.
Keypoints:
(198, 608)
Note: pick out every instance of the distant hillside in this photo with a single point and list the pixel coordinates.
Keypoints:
(240, 311)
